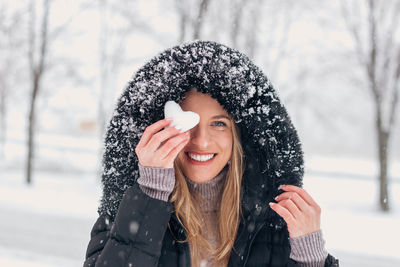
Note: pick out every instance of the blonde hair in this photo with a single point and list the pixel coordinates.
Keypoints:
(189, 214)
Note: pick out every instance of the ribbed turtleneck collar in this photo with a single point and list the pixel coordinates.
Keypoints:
(210, 191)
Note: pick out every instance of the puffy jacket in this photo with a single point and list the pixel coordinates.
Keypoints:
(135, 230)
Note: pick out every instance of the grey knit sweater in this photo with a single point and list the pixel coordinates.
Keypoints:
(158, 183)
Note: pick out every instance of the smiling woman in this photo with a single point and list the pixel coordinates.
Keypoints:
(224, 193)
(210, 145)
(203, 166)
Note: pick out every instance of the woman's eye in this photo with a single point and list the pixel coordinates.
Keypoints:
(220, 123)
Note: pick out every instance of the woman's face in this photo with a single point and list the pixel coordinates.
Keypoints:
(212, 136)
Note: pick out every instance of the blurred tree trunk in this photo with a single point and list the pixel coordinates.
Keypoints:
(3, 115)
(3, 83)
(383, 139)
(10, 45)
(183, 14)
(37, 68)
(379, 56)
(198, 23)
(189, 22)
(253, 29)
(238, 8)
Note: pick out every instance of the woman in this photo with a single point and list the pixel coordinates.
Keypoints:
(205, 197)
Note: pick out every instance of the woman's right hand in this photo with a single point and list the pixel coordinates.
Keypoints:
(159, 148)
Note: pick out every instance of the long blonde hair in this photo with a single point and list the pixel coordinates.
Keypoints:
(189, 214)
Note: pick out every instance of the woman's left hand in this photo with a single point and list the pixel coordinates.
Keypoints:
(299, 210)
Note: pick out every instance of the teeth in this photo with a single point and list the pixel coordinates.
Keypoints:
(201, 158)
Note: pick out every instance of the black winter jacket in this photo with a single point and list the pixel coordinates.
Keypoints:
(135, 230)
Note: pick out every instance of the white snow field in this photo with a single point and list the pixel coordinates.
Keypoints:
(48, 223)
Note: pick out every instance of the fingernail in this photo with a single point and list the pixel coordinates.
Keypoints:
(276, 198)
(271, 203)
(281, 186)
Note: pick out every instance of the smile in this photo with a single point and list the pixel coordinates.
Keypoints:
(200, 159)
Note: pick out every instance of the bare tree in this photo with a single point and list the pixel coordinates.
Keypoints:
(10, 43)
(279, 27)
(191, 17)
(37, 67)
(198, 22)
(3, 114)
(183, 14)
(237, 10)
(253, 28)
(3, 86)
(4, 90)
(379, 56)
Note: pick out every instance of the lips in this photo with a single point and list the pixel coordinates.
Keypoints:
(195, 162)
(200, 153)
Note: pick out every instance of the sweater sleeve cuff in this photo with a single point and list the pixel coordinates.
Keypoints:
(309, 250)
(156, 182)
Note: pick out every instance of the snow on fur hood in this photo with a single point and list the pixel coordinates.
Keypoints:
(272, 149)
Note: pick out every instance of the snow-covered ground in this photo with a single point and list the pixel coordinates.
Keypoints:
(48, 223)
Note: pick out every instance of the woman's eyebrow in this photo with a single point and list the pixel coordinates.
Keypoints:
(221, 116)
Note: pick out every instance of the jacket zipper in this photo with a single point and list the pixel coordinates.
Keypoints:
(251, 242)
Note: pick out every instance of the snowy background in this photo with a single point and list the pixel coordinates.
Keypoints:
(94, 47)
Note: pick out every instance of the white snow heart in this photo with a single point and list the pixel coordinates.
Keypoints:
(184, 120)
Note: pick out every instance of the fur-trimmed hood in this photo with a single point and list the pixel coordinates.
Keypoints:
(272, 150)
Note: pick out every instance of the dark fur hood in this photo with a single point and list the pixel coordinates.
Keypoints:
(272, 149)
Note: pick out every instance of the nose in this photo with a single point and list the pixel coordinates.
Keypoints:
(200, 137)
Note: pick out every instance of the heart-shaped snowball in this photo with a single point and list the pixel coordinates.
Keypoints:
(184, 120)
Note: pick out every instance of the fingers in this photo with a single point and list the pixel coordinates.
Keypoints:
(151, 130)
(300, 191)
(158, 139)
(156, 147)
(174, 152)
(297, 200)
(298, 209)
(290, 206)
(283, 212)
(174, 144)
